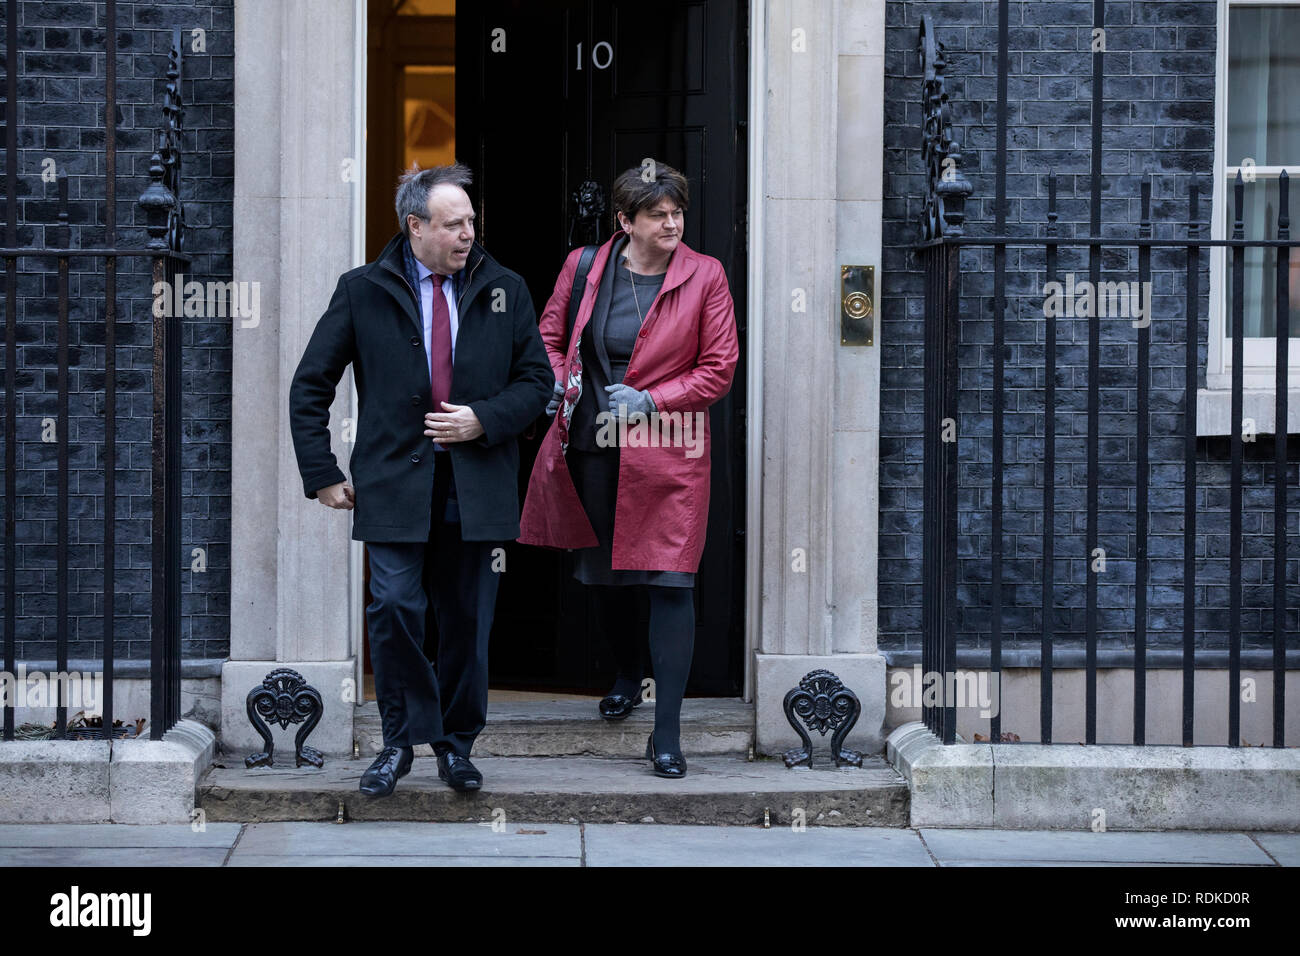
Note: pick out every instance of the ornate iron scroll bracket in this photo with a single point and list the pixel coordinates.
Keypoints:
(161, 201)
(590, 206)
(823, 703)
(285, 698)
(947, 188)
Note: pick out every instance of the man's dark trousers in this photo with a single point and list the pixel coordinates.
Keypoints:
(416, 705)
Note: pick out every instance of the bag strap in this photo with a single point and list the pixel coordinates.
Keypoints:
(575, 299)
(579, 280)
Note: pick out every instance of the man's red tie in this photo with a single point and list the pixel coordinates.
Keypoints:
(440, 347)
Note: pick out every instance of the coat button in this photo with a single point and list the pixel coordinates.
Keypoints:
(415, 340)
(632, 374)
(415, 459)
(643, 333)
(415, 399)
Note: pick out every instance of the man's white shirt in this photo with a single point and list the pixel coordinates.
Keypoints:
(426, 308)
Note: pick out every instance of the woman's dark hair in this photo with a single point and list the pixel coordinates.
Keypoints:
(642, 187)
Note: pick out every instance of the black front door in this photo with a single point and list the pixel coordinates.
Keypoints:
(552, 94)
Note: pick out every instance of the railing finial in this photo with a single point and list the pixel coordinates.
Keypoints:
(945, 201)
(161, 200)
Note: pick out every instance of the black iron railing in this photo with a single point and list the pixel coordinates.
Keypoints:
(165, 225)
(942, 241)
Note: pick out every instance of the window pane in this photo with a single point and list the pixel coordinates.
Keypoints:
(429, 112)
(425, 8)
(1260, 288)
(1263, 79)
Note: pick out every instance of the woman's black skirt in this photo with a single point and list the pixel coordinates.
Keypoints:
(595, 476)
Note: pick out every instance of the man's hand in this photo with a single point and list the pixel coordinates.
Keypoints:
(457, 423)
(337, 496)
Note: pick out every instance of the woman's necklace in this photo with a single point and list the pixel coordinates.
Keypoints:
(635, 301)
(627, 264)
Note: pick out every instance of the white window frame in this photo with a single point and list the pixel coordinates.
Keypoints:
(1260, 370)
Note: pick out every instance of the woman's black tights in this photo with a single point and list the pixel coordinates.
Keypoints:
(672, 643)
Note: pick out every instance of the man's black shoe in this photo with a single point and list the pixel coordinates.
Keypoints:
(382, 775)
(459, 772)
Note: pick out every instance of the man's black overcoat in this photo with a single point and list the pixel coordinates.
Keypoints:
(501, 372)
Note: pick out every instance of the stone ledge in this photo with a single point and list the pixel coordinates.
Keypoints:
(131, 668)
(1214, 410)
(1073, 655)
(156, 781)
(55, 781)
(952, 784)
(1036, 786)
(101, 781)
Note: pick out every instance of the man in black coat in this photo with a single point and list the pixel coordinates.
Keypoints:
(447, 378)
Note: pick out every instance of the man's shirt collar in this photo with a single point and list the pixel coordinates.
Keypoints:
(421, 270)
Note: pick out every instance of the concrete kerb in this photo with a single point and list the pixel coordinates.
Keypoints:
(54, 781)
(952, 784)
(100, 781)
(1115, 787)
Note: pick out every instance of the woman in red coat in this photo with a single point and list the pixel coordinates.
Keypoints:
(623, 472)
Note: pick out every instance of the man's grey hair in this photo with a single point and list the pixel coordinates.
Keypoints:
(415, 184)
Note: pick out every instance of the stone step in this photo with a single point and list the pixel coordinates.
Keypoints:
(717, 790)
(710, 725)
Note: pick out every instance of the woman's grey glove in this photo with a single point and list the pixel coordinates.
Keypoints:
(553, 405)
(635, 401)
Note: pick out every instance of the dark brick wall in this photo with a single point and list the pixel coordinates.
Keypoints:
(61, 117)
(1158, 116)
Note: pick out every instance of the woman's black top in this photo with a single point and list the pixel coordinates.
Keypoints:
(623, 322)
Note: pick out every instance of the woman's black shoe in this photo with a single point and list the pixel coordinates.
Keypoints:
(618, 706)
(665, 764)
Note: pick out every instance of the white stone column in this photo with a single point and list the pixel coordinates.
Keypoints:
(859, 209)
(822, 165)
(295, 122)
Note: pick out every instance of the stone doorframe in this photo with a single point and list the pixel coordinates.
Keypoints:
(811, 468)
(817, 72)
(299, 80)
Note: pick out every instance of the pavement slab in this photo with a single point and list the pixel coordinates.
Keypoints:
(1283, 847)
(117, 835)
(251, 859)
(513, 842)
(1020, 847)
(620, 845)
(301, 841)
(112, 856)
